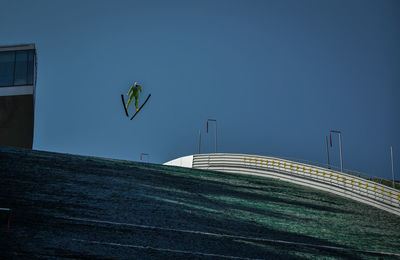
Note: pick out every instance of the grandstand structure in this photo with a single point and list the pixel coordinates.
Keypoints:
(340, 183)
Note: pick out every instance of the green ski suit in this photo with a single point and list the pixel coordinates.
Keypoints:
(134, 93)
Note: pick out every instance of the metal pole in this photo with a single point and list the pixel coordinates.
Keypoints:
(340, 147)
(341, 158)
(215, 121)
(327, 151)
(145, 154)
(216, 136)
(391, 155)
(199, 140)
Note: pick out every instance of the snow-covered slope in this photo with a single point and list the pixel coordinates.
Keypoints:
(68, 206)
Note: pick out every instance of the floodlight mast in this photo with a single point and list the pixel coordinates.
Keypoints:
(215, 121)
(391, 156)
(340, 147)
(327, 152)
(199, 141)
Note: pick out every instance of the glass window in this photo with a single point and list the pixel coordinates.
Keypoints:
(21, 68)
(7, 68)
(17, 68)
(31, 68)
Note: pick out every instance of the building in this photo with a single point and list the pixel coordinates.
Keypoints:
(17, 95)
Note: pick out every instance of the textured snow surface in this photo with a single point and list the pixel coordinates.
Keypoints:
(68, 206)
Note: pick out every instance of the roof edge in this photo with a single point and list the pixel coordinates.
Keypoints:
(29, 46)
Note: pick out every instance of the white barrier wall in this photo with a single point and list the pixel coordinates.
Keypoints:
(185, 161)
(346, 185)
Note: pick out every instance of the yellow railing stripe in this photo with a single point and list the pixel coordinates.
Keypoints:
(310, 170)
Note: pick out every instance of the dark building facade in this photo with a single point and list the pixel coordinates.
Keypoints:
(17, 95)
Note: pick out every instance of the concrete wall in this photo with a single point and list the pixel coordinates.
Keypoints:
(349, 186)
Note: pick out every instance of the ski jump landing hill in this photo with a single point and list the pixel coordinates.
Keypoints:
(342, 184)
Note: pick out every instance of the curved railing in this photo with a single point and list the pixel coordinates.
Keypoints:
(343, 184)
(337, 168)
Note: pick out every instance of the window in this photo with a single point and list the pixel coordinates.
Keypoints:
(7, 68)
(21, 67)
(16, 68)
(31, 68)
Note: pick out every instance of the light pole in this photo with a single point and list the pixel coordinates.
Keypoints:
(215, 121)
(199, 140)
(340, 146)
(327, 151)
(391, 155)
(144, 154)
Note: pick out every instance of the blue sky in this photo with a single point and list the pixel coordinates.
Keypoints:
(277, 76)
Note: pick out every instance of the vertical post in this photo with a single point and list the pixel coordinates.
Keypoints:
(145, 154)
(199, 141)
(340, 150)
(391, 155)
(216, 136)
(327, 151)
(340, 147)
(215, 121)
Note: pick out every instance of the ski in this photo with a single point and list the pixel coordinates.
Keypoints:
(141, 106)
(123, 103)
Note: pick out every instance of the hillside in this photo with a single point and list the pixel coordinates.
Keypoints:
(68, 206)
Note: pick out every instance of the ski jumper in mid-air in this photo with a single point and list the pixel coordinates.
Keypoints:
(133, 92)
